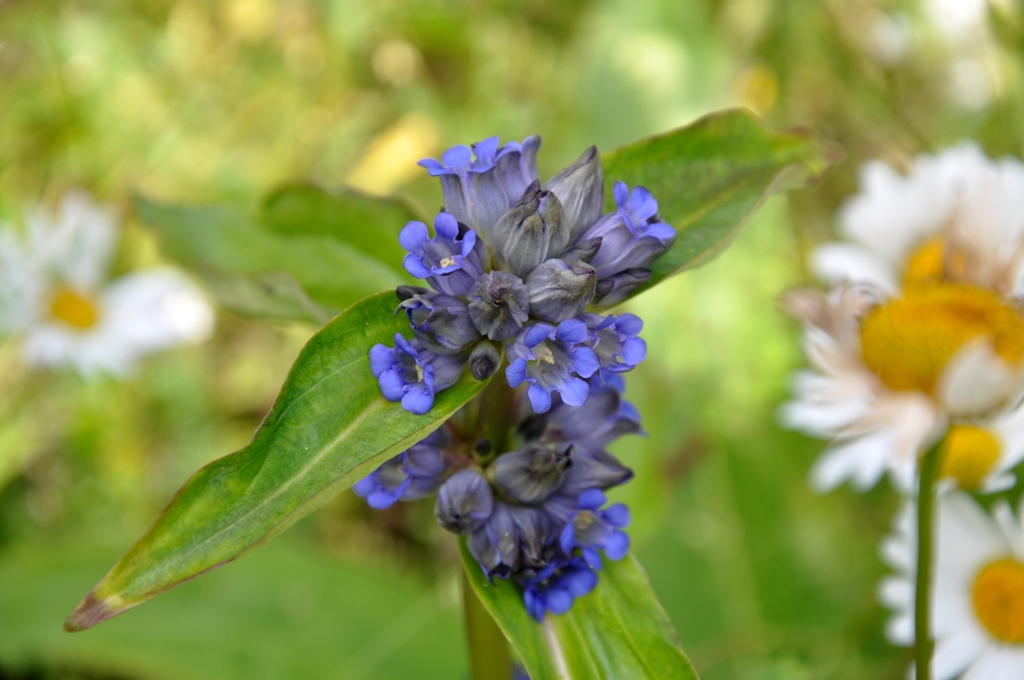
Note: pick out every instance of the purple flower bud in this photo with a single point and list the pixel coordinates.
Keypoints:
(450, 262)
(592, 529)
(514, 539)
(412, 474)
(441, 322)
(561, 289)
(552, 359)
(499, 305)
(555, 588)
(484, 360)
(479, 190)
(412, 374)
(580, 188)
(531, 232)
(632, 237)
(616, 341)
(533, 473)
(464, 501)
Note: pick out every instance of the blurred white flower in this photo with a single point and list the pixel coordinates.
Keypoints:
(923, 330)
(55, 295)
(978, 589)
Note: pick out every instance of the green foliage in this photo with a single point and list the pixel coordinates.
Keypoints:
(709, 177)
(306, 255)
(288, 611)
(620, 630)
(329, 427)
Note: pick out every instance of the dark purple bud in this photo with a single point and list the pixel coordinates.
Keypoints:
(561, 290)
(617, 288)
(595, 469)
(440, 321)
(531, 232)
(464, 501)
(499, 305)
(532, 473)
(484, 360)
(495, 545)
(580, 188)
(584, 250)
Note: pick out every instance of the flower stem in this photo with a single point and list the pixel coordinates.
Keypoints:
(925, 529)
(488, 650)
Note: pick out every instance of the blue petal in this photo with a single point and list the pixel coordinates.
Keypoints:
(617, 546)
(568, 539)
(580, 582)
(629, 324)
(468, 241)
(457, 156)
(621, 193)
(558, 601)
(572, 330)
(404, 345)
(585, 361)
(446, 225)
(434, 167)
(365, 486)
(574, 392)
(633, 351)
(391, 385)
(617, 515)
(540, 400)
(591, 499)
(515, 372)
(381, 500)
(414, 265)
(593, 558)
(537, 334)
(381, 359)
(418, 401)
(661, 231)
(414, 236)
(485, 150)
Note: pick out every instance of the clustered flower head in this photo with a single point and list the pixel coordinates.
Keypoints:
(56, 296)
(536, 512)
(922, 333)
(513, 265)
(514, 268)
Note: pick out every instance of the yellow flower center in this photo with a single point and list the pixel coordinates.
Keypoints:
(998, 596)
(931, 262)
(908, 341)
(74, 309)
(968, 454)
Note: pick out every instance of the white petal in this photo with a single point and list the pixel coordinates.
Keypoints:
(956, 652)
(862, 459)
(976, 380)
(838, 263)
(896, 593)
(155, 309)
(997, 662)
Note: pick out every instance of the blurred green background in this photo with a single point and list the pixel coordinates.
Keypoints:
(222, 101)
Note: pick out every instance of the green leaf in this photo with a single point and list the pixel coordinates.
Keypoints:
(709, 177)
(329, 427)
(618, 631)
(369, 224)
(236, 254)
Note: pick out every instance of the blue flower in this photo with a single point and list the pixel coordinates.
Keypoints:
(515, 538)
(414, 473)
(592, 529)
(604, 418)
(616, 341)
(450, 262)
(552, 358)
(482, 183)
(632, 237)
(412, 374)
(561, 289)
(440, 321)
(556, 588)
(532, 473)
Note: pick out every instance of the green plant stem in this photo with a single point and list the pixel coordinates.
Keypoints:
(488, 650)
(925, 528)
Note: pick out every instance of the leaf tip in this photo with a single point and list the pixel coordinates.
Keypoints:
(92, 611)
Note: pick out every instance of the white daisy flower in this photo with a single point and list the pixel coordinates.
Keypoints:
(55, 296)
(978, 589)
(923, 331)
